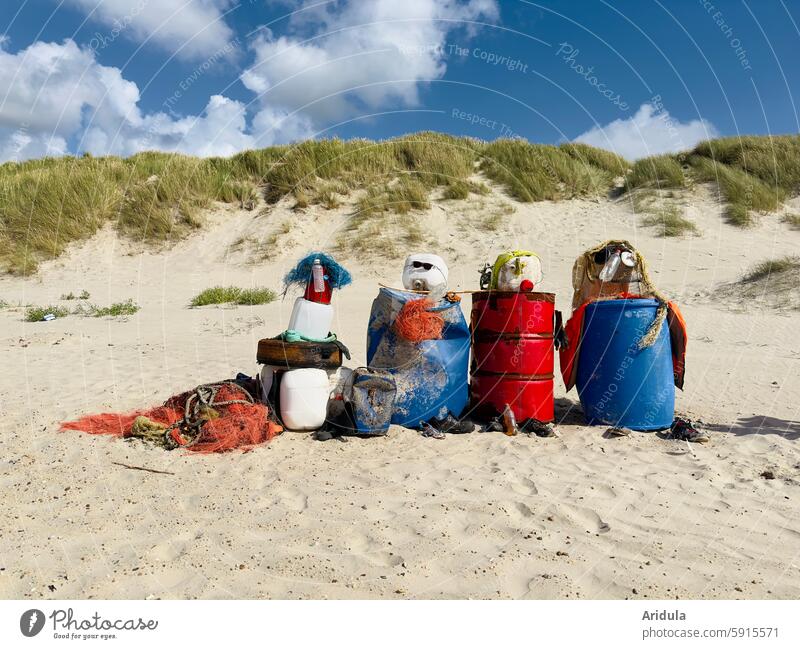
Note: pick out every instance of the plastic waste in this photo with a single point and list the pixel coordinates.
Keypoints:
(267, 378)
(424, 272)
(311, 319)
(47, 317)
(431, 376)
(509, 422)
(318, 289)
(304, 398)
(611, 266)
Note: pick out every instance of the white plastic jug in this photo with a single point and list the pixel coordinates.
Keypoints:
(311, 319)
(304, 398)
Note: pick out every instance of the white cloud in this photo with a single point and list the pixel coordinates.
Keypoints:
(650, 131)
(58, 97)
(19, 144)
(220, 131)
(192, 28)
(358, 56)
(59, 92)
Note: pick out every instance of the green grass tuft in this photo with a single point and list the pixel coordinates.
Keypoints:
(254, 296)
(36, 313)
(405, 194)
(605, 160)
(670, 222)
(536, 172)
(743, 192)
(771, 268)
(233, 295)
(461, 189)
(117, 309)
(659, 172)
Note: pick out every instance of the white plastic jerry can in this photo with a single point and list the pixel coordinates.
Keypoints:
(311, 319)
(304, 398)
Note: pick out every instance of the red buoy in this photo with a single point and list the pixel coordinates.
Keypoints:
(512, 354)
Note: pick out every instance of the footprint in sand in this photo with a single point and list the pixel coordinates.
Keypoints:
(524, 486)
(292, 499)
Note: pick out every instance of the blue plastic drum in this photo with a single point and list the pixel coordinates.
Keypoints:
(618, 383)
(431, 376)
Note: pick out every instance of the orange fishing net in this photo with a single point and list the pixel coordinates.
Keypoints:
(416, 322)
(212, 418)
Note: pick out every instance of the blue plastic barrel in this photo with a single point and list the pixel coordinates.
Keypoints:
(431, 376)
(618, 383)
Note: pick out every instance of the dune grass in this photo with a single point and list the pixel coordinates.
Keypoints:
(461, 189)
(233, 295)
(606, 160)
(669, 221)
(47, 204)
(773, 283)
(772, 268)
(128, 307)
(754, 174)
(660, 172)
(536, 172)
(403, 195)
(743, 192)
(36, 313)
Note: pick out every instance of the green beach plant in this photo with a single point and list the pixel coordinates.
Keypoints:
(233, 295)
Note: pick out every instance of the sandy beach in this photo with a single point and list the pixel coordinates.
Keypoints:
(473, 516)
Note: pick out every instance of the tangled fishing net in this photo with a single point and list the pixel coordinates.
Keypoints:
(212, 418)
(416, 322)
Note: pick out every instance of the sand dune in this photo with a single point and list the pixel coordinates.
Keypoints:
(475, 516)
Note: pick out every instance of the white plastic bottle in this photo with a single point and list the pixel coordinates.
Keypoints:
(610, 269)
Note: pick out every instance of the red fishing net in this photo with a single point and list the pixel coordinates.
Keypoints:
(212, 418)
(416, 322)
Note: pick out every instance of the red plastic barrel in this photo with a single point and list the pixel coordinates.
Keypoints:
(512, 354)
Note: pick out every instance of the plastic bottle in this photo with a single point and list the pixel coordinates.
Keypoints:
(509, 421)
(318, 288)
(610, 269)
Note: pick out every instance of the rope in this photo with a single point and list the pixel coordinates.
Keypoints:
(199, 408)
(585, 261)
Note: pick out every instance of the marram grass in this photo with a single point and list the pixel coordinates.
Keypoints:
(47, 204)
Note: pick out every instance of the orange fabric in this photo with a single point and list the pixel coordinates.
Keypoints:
(678, 338)
(569, 355)
(239, 425)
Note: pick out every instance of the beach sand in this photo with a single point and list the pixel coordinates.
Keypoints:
(473, 516)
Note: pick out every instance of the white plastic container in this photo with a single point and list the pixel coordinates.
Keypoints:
(267, 377)
(311, 319)
(304, 398)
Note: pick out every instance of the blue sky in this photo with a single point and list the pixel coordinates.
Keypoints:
(211, 77)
